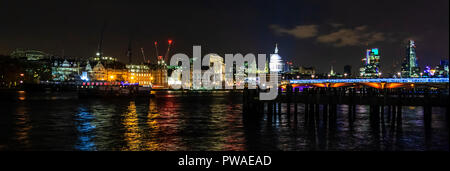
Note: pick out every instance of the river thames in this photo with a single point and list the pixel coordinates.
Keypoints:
(213, 122)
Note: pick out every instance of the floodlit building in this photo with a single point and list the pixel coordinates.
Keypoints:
(99, 72)
(65, 70)
(218, 66)
(276, 62)
(30, 55)
(140, 74)
(371, 68)
(159, 74)
(109, 72)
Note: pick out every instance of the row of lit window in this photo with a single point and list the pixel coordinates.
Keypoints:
(145, 75)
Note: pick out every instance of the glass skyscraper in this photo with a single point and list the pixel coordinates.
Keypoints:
(410, 67)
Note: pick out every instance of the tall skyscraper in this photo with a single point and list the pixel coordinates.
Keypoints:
(409, 66)
(371, 66)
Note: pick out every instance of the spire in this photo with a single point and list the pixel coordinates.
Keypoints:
(332, 71)
(276, 48)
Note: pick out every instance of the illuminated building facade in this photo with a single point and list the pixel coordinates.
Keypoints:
(409, 66)
(30, 55)
(159, 74)
(65, 70)
(109, 72)
(140, 74)
(276, 62)
(219, 69)
(371, 68)
(439, 71)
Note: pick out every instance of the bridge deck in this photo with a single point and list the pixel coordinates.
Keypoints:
(372, 80)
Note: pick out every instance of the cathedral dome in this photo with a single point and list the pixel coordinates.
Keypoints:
(276, 62)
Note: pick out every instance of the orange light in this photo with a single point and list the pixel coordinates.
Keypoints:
(339, 84)
(394, 85)
(374, 85)
(320, 85)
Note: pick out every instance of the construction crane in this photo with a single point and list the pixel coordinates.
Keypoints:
(156, 50)
(166, 57)
(129, 53)
(143, 54)
(100, 43)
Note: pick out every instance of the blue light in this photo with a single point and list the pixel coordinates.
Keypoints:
(375, 51)
(84, 76)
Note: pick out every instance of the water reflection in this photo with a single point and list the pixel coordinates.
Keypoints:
(22, 127)
(85, 129)
(153, 126)
(132, 134)
(177, 122)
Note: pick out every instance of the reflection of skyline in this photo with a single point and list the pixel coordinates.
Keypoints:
(208, 123)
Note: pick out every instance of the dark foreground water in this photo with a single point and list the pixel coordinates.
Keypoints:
(172, 122)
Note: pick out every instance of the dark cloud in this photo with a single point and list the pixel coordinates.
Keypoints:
(336, 25)
(352, 37)
(342, 37)
(301, 31)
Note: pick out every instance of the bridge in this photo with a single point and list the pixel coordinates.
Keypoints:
(379, 83)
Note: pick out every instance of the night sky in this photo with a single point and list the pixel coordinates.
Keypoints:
(309, 33)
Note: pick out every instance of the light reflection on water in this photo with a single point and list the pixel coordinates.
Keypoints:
(85, 129)
(171, 123)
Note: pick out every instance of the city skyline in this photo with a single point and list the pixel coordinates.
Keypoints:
(225, 84)
(315, 35)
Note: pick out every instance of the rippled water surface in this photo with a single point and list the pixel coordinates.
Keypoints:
(172, 122)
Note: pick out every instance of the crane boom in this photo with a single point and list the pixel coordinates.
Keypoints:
(168, 50)
(156, 48)
(143, 55)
